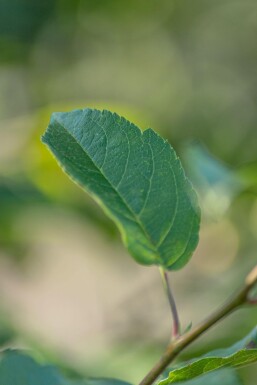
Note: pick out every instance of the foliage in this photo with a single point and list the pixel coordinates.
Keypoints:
(137, 179)
(188, 71)
(18, 368)
(242, 353)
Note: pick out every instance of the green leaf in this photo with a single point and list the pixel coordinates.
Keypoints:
(242, 353)
(19, 369)
(137, 179)
(219, 377)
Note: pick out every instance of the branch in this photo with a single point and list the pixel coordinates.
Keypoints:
(240, 298)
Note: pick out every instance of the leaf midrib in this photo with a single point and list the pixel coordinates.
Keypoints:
(137, 216)
(134, 215)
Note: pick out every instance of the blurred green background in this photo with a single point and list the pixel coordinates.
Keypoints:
(69, 291)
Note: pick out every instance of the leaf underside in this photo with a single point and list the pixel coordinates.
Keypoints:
(242, 353)
(136, 178)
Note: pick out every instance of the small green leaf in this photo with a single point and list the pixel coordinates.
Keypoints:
(137, 179)
(19, 369)
(242, 353)
(219, 377)
(187, 328)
